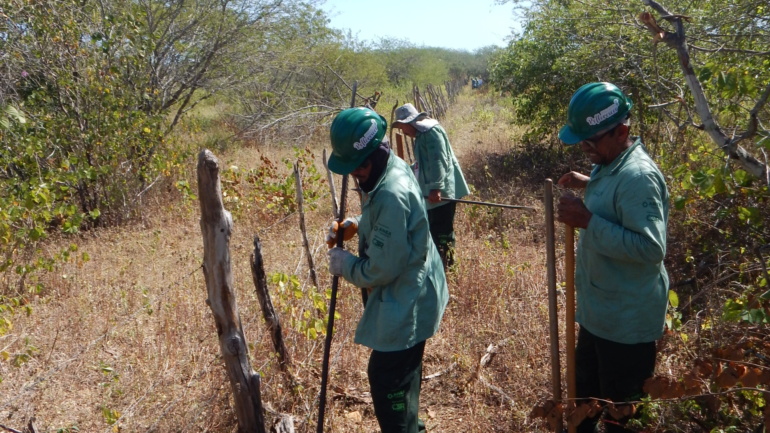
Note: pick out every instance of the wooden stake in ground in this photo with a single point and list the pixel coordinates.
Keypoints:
(268, 311)
(303, 230)
(216, 226)
(400, 145)
(569, 269)
(332, 190)
(553, 314)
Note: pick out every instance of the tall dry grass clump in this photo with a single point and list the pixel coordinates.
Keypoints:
(125, 342)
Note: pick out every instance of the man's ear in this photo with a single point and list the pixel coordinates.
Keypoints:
(621, 132)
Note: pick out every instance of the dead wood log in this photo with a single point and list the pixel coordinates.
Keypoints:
(268, 311)
(216, 227)
(284, 424)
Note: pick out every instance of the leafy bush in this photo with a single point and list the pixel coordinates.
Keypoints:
(78, 147)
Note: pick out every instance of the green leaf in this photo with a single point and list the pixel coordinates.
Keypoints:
(673, 299)
(742, 177)
(750, 215)
(680, 202)
(705, 74)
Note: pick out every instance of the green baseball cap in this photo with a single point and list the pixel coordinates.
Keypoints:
(594, 108)
(355, 133)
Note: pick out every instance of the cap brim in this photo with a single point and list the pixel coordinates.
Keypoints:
(339, 167)
(568, 137)
(411, 118)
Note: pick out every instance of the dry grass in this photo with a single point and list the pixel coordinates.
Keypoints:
(126, 337)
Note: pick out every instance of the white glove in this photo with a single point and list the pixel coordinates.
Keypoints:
(349, 225)
(337, 258)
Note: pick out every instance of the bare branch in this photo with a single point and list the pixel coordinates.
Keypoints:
(677, 41)
(729, 50)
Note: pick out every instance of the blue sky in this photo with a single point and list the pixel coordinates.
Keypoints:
(465, 25)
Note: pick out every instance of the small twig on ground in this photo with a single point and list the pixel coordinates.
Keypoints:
(440, 373)
(9, 429)
(498, 390)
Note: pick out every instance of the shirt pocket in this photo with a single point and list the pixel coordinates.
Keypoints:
(389, 324)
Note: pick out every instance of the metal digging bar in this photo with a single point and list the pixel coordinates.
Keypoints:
(484, 203)
(333, 301)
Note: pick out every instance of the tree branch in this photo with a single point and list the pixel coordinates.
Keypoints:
(678, 42)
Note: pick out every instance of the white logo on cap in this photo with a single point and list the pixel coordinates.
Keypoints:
(604, 114)
(370, 133)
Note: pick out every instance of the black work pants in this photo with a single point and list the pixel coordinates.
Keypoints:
(395, 380)
(611, 371)
(442, 229)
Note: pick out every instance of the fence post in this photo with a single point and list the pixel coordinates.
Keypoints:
(216, 226)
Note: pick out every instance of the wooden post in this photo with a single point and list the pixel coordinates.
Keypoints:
(216, 226)
(569, 268)
(392, 115)
(268, 311)
(303, 230)
(553, 314)
(332, 189)
(400, 145)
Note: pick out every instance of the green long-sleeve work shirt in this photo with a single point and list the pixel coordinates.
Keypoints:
(400, 264)
(621, 283)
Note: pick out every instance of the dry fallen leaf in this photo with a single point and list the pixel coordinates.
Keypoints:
(582, 411)
(703, 368)
(751, 377)
(764, 378)
(692, 383)
(542, 410)
(728, 378)
(654, 387)
(554, 416)
(354, 416)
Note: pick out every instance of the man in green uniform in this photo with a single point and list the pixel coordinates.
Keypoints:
(438, 173)
(399, 262)
(621, 283)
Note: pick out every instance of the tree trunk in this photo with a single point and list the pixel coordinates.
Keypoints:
(216, 226)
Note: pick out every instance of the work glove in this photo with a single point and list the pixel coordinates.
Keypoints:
(350, 225)
(337, 258)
